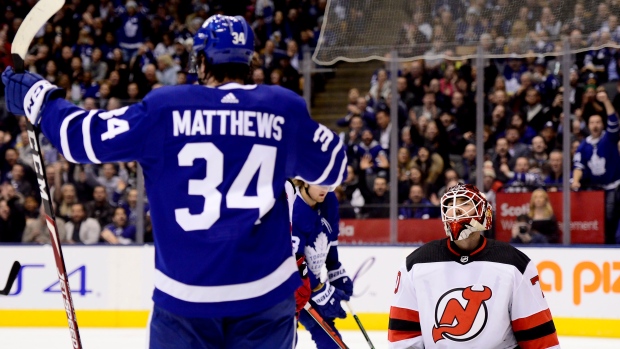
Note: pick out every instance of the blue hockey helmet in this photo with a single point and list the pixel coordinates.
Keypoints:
(225, 39)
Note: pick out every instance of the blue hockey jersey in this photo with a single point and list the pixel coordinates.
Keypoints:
(599, 158)
(215, 162)
(315, 234)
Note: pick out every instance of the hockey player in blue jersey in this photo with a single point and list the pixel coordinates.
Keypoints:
(315, 236)
(215, 161)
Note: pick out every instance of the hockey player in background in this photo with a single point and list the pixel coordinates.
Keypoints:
(467, 291)
(315, 237)
(215, 161)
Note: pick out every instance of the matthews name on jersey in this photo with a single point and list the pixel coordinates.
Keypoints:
(315, 235)
(504, 308)
(215, 162)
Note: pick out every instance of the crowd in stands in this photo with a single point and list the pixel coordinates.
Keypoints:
(523, 110)
(111, 53)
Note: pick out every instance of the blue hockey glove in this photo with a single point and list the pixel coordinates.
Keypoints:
(326, 301)
(26, 93)
(340, 280)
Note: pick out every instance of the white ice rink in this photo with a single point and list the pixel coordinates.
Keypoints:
(57, 338)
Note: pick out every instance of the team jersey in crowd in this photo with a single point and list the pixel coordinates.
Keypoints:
(599, 158)
(215, 162)
(315, 234)
(489, 298)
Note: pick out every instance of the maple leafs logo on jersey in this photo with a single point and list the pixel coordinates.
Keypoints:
(597, 164)
(315, 256)
(461, 314)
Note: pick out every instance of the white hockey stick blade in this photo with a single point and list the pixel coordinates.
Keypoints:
(36, 18)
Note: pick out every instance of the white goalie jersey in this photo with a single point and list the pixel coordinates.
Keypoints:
(488, 298)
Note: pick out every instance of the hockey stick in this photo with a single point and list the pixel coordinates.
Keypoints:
(359, 323)
(325, 326)
(12, 276)
(36, 18)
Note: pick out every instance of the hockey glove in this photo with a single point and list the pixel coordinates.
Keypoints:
(340, 280)
(302, 294)
(326, 300)
(26, 93)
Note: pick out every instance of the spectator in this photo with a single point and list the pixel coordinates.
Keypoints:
(131, 29)
(120, 231)
(490, 184)
(276, 77)
(555, 177)
(30, 208)
(470, 29)
(81, 229)
(290, 76)
(354, 135)
(597, 163)
(450, 179)
(537, 114)
(455, 138)
(114, 184)
(522, 232)
(527, 133)
(12, 219)
(538, 155)
(465, 120)
(36, 230)
(131, 206)
(515, 147)
(68, 198)
(167, 70)
(133, 92)
(379, 91)
(542, 218)
(428, 109)
(385, 128)
(521, 179)
(258, 76)
(99, 208)
(431, 165)
(345, 209)
(371, 148)
(403, 91)
(417, 206)
(377, 201)
(465, 165)
(19, 182)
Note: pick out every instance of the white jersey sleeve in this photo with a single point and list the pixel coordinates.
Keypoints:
(530, 315)
(404, 330)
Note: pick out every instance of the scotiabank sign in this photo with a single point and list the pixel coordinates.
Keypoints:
(587, 214)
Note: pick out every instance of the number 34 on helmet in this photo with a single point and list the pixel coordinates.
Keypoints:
(464, 210)
(225, 39)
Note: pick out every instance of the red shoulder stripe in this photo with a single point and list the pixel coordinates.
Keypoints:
(531, 321)
(404, 314)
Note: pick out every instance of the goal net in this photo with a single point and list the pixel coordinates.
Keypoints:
(360, 30)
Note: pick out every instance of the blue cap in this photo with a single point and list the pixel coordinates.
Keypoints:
(225, 39)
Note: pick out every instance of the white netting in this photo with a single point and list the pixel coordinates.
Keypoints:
(360, 30)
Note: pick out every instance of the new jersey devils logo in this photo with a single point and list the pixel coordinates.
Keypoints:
(461, 314)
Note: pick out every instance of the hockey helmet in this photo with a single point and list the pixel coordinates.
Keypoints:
(225, 39)
(464, 209)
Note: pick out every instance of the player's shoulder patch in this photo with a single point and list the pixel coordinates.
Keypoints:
(505, 253)
(428, 253)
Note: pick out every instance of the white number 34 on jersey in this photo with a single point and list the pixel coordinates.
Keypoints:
(238, 38)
